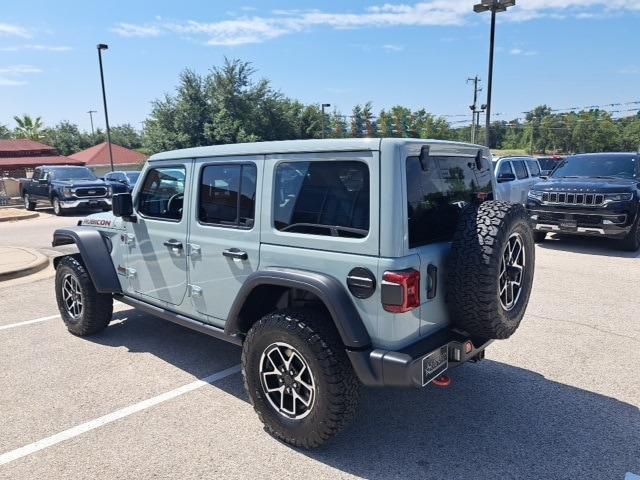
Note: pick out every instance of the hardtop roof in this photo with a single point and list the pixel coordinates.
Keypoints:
(295, 146)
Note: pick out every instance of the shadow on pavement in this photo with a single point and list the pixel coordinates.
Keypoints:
(495, 421)
(588, 245)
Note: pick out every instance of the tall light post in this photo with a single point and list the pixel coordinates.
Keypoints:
(91, 112)
(101, 47)
(324, 105)
(493, 6)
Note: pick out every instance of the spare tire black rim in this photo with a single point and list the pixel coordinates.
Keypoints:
(512, 266)
(287, 381)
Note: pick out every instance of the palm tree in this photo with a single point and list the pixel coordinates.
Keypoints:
(28, 127)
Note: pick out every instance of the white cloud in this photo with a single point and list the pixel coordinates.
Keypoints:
(9, 30)
(247, 29)
(520, 51)
(630, 70)
(392, 48)
(13, 75)
(43, 48)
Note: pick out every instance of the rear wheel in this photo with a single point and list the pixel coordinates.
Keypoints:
(298, 377)
(491, 269)
(83, 310)
(28, 204)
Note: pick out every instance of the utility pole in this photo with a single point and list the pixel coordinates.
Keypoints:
(474, 107)
(101, 47)
(324, 105)
(91, 112)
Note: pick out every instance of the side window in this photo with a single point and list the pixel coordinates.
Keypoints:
(436, 196)
(322, 198)
(36, 174)
(228, 195)
(534, 168)
(162, 193)
(521, 170)
(505, 169)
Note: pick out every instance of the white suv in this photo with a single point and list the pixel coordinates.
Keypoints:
(515, 176)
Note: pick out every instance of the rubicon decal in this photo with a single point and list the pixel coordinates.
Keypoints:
(97, 222)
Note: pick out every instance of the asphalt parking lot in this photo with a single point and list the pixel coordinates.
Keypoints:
(560, 399)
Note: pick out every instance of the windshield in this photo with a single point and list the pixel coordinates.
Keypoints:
(79, 173)
(133, 177)
(616, 166)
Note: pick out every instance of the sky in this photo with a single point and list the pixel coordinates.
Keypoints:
(563, 53)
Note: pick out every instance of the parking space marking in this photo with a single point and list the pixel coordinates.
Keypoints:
(52, 317)
(112, 417)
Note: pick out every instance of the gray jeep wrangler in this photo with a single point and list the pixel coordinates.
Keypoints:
(333, 263)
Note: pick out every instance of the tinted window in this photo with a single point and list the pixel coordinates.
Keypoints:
(534, 168)
(437, 195)
(162, 193)
(73, 173)
(322, 198)
(505, 169)
(133, 177)
(598, 166)
(520, 169)
(227, 195)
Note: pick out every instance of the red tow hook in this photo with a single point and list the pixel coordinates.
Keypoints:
(442, 381)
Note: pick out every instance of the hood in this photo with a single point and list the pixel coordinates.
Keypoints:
(80, 183)
(587, 185)
(102, 221)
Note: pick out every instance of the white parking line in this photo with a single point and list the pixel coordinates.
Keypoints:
(112, 417)
(51, 317)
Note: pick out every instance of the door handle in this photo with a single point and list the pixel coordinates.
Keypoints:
(432, 282)
(235, 253)
(173, 244)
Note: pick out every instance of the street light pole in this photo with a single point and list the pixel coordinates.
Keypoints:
(324, 105)
(100, 47)
(474, 107)
(91, 112)
(494, 6)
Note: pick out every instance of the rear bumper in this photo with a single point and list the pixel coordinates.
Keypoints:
(404, 368)
(86, 203)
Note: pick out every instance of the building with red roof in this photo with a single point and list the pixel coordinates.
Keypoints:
(98, 156)
(17, 156)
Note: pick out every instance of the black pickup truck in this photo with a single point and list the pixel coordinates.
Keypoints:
(65, 188)
(595, 194)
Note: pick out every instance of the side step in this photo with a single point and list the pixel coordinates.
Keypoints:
(165, 314)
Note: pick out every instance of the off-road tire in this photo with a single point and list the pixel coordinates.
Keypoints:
(97, 307)
(539, 237)
(631, 242)
(28, 204)
(312, 334)
(474, 266)
(58, 211)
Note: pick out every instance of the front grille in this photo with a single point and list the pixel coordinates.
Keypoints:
(91, 192)
(564, 198)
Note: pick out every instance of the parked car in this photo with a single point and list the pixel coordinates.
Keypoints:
(65, 188)
(122, 181)
(547, 164)
(515, 176)
(327, 260)
(594, 194)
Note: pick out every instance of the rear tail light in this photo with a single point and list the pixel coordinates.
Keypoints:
(400, 291)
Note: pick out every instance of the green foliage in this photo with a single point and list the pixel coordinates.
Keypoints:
(28, 127)
(5, 133)
(126, 136)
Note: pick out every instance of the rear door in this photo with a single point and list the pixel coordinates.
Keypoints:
(157, 255)
(522, 183)
(224, 238)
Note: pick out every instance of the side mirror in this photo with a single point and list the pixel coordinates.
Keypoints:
(122, 205)
(506, 177)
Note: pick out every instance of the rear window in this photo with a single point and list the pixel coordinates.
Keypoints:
(436, 196)
(534, 168)
(521, 170)
(322, 198)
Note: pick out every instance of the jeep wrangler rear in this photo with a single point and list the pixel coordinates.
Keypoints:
(332, 263)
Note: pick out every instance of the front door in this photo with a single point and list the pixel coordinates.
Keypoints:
(157, 266)
(224, 238)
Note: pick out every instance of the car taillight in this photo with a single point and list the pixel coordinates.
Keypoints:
(401, 291)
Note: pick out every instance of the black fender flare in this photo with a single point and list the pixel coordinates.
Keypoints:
(328, 289)
(95, 256)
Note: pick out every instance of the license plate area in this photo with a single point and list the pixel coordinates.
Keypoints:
(568, 224)
(435, 364)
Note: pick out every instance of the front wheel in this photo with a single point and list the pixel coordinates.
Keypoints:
(57, 207)
(298, 377)
(631, 242)
(83, 310)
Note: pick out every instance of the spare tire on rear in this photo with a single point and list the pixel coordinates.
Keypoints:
(490, 270)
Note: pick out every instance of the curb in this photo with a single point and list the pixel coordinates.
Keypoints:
(40, 263)
(16, 218)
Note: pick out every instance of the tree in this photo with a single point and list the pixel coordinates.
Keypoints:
(384, 125)
(65, 137)
(4, 132)
(337, 125)
(357, 122)
(630, 140)
(28, 127)
(126, 136)
(370, 129)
